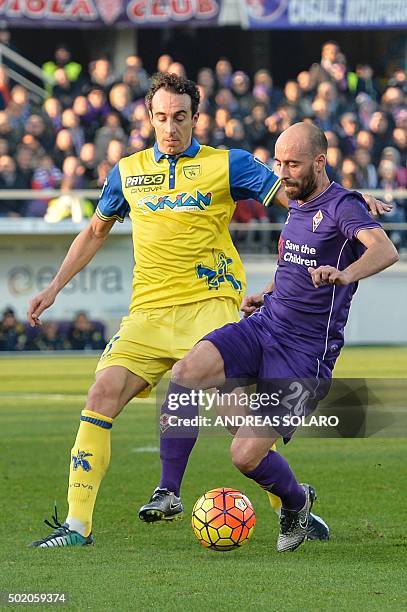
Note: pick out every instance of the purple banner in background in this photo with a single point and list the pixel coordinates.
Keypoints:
(102, 13)
(324, 14)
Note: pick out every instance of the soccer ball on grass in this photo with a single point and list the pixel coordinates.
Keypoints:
(223, 519)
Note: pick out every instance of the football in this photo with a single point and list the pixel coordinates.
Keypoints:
(223, 519)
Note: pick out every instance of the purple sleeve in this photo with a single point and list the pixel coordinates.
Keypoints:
(351, 215)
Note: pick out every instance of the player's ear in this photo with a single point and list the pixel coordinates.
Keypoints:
(195, 119)
(320, 162)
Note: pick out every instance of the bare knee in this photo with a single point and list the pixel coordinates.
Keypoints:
(113, 389)
(104, 397)
(184, 372)
(244, 455)
(201, 368)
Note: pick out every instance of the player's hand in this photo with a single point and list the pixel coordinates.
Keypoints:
(38, 304)
(376, 207)
(251, 303)
(328, 275)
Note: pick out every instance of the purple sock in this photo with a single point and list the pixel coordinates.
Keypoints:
(176, 443)
(274, 474)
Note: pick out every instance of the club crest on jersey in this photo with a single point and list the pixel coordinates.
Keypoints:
(192, 172)
(80, 461)
(316, 220)
(182, 202)
(219, 274)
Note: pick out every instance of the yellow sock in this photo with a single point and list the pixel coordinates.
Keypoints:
(275, 501)
(90, 457)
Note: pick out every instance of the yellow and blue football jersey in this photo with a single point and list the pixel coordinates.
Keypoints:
(180, 208)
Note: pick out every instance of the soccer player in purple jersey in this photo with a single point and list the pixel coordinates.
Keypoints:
(185, 262)
(328, 244)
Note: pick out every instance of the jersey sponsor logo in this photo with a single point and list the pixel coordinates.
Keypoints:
(144, 179)
(316, 220)
(182, 202)
(144, 189)
(80, 461)
(192, 172)
(292, 252)
(219, 274)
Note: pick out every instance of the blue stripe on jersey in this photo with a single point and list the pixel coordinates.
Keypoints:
(250, 178)
(112, 203)
(99, 422)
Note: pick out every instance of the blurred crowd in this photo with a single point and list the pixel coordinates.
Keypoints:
(78, 335)
(94, 116)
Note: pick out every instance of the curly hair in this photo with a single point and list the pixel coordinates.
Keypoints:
(175, 84)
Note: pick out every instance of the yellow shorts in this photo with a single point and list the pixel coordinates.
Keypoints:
(149, 342)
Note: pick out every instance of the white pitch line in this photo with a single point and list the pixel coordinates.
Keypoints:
(145, 449)
(60, 397)
(54, 397)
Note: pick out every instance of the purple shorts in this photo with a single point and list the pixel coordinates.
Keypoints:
(252, 354)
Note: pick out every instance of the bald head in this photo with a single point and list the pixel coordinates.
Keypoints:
(300, 160)
(305, 137)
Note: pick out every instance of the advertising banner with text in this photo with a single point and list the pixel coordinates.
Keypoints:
(102, 13)
(324, 14)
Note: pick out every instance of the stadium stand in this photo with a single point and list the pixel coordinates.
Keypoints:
(81, 334)
(365, 120)
(90, 118)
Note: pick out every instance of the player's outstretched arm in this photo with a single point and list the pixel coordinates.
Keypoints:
(376, 207)
(380, 254)
(251, 303)
(81, 251)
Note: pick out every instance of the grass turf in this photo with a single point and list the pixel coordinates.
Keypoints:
(134, 566)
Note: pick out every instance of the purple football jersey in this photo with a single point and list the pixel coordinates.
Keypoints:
(319, 232)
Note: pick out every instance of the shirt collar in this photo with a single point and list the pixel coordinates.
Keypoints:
(192, 151)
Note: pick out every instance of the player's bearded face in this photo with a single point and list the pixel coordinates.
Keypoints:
(172, 120)
(301, 188)
(299, 180)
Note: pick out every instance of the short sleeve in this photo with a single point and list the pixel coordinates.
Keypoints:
(251, 178)
(112, 204)
(351, 215)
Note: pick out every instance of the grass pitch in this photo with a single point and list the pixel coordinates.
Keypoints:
(134, 566)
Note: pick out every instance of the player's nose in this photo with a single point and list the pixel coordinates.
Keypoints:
(284, 172)
(170, 127)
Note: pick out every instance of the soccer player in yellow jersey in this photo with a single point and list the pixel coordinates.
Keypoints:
(188, 280)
